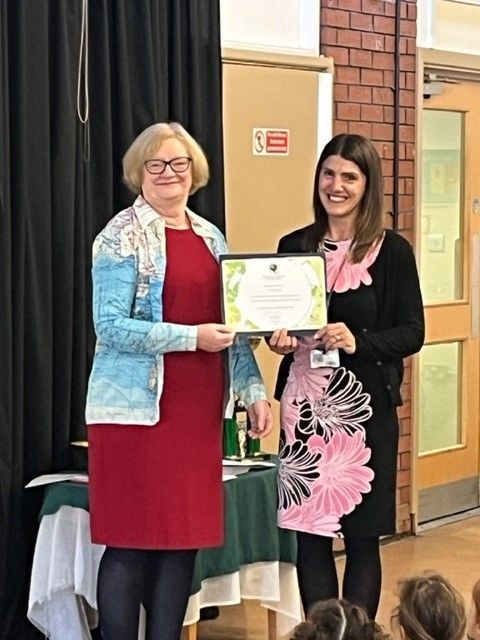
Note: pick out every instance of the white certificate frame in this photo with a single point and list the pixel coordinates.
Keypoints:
(264, 292)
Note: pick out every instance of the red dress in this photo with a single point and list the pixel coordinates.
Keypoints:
(160, 487)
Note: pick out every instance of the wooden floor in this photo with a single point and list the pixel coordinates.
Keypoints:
(453, 550)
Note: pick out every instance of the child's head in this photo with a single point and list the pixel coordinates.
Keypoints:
(473, 618)
(429, 609)
(338, 620)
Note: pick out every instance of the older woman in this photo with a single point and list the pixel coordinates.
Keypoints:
(157, 389)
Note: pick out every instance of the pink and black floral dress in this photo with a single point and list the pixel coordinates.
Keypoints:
(339, 428)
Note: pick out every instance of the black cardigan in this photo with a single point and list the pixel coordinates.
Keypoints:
(400, 326)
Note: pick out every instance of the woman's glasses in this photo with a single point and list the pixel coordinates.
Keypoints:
(178, 165)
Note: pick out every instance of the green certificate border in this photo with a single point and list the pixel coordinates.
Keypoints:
(234, 266)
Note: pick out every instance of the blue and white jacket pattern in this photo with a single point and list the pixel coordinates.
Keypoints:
(129, 261)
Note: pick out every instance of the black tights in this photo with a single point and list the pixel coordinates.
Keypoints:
(317, 575)
(161, 580)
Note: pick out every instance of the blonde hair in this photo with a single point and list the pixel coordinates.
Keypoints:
(147, 144)
(476, 600)
(430, 608)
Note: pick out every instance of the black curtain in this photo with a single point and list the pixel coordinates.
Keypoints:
(149, 61)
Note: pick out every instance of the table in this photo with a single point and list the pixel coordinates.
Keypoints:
(257, 561)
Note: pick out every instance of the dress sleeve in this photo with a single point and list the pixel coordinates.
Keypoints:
(407, 333)
(115, 273)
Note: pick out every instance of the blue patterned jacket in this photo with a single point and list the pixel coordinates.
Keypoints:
(129, 260)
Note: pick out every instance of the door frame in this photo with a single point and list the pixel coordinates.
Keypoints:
(463, 67)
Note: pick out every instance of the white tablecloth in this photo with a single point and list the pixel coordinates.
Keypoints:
(62, 601)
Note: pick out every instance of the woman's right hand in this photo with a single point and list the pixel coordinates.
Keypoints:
(214, 337)
(280, 342)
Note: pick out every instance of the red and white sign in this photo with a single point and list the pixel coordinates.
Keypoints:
(270, 142)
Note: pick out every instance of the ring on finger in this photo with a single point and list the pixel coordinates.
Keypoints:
(337, 337)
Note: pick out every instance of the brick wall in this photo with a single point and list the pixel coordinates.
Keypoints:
(360, 37)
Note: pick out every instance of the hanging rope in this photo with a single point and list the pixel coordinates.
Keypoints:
(83, 110)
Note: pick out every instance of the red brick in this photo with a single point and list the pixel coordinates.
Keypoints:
(358, 93)
(411, 81)
(360, 58)
(409, 185)
(411, 46)
(401, 151)
(328, 35)
(407, 98)
(406, 203)
(388, 185)
(388, 114)
(361, 21)
(389, 9)
(388, 78)
(362, 128)
(373, 41)
(405, 460)
(347, 38)
(403, 46)
(351, 5)
(406, 169)
(389, 44)
(347, 75)
(348, 111)
(382, 95)
(410, 117)
(387, 167)
(335, 18)
(403, 478)
(403, 11)
(383, 60)
(407, 134)
(404, 495)
(408, 28)
(412, 11)
(372, 6)
(382, 131)
(401, 186)
(407, 63)
(340, 126)
(387, 150)
(371, 112)
(388, 203)
(383, 24)
(371, 77)
(340, 92)
(404, 444)
(339, 54)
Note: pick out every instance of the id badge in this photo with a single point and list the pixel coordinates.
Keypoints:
(320, 358)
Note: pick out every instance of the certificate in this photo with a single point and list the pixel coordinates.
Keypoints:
(265, 292)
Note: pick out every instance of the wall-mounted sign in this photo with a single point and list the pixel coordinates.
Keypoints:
(270, 142)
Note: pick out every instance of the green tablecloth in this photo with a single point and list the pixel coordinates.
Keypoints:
(251, 532)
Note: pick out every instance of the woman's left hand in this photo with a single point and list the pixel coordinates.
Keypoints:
(337, 336)
(261, 419)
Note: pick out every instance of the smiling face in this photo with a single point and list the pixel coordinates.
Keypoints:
(341, 187)
(169, 186)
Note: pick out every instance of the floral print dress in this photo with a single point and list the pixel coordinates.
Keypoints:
(325, 471)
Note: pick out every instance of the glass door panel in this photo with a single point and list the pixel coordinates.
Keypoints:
(441, 214)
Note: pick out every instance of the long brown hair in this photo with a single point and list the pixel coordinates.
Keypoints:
(430, 608)
(369, 222)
